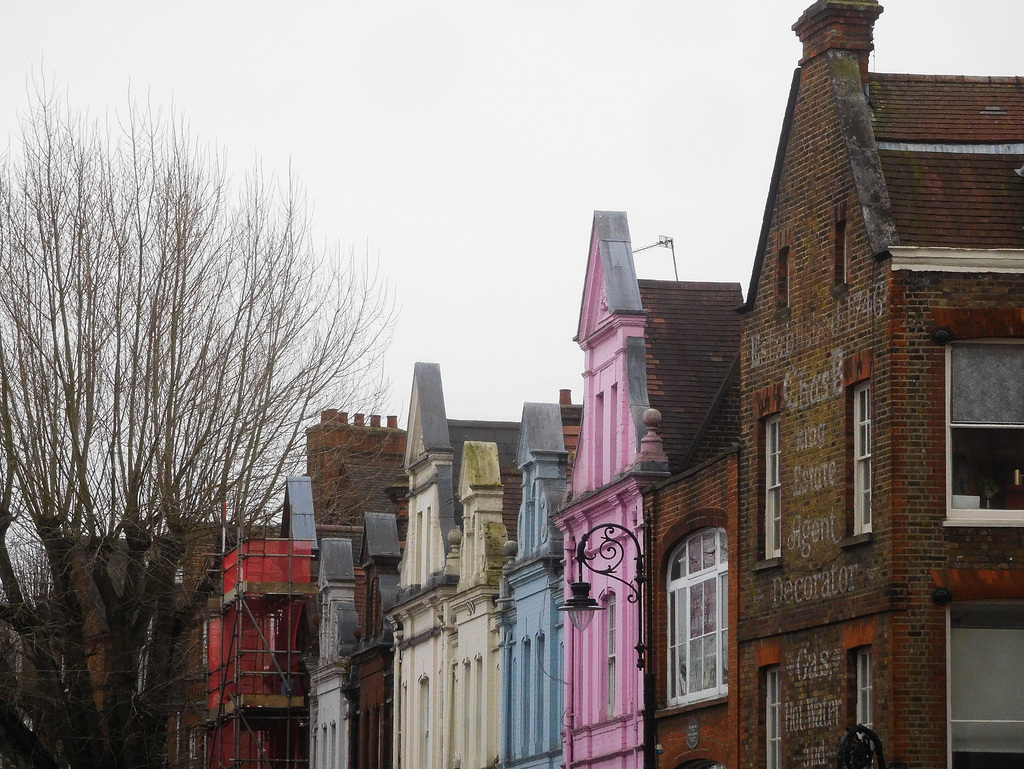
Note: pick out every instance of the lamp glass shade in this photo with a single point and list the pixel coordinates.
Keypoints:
(580, 606)
(581, 618)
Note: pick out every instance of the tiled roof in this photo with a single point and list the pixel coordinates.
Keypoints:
(693, 337)
(950, 110)
(946, 187)
(954, 200)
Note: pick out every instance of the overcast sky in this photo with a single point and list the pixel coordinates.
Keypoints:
(467, 144)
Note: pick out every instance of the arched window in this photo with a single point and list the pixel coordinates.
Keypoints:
(698, 615)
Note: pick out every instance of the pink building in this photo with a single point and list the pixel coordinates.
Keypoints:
(603, 695)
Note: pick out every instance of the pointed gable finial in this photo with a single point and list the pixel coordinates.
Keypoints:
(609, 287)
(652, 457)
(428, 421)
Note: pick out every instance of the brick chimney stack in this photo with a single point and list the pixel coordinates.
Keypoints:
(845, 25)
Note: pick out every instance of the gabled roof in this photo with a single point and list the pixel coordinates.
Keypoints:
(773, 194)
(949, 149)
(947, 109)
(610, 282)
(541, 431)
(428, 423)
(692, 340)
(956, 201)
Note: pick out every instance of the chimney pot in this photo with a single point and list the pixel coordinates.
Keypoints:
(374, 420)
(845, 25)
(392, 420)
(343, 417)
(328, 415)
(359, 420)
(565, 397)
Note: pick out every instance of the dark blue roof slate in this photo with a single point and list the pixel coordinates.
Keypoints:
(380, 535)
(336, 561)
(429, 396)
(541, 430)
(611, 233)
(297, 520)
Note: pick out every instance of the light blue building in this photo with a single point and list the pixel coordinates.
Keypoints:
(531, 623)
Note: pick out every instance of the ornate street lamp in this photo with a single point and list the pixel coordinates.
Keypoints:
(581, 607)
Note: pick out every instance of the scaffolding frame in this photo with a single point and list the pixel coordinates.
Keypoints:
(258, 712)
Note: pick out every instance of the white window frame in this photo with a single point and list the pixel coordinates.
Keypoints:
(682, 585)
(865, 667)
(773, 717)
(773, 487)
(862, 440)
(611, 627)
(968, 509)
(425, 743)
(984, 677)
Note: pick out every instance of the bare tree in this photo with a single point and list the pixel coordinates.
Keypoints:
(164, 338)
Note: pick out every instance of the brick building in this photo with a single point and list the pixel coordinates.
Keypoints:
(358, 490)
(371, 678)
(353, 464)
(692, 345)
(881, 508)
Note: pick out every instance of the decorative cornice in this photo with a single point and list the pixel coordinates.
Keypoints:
(925, 259)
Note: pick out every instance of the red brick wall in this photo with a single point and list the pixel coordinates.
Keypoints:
(681, 506)
(810, 351)
(830, 593)
(974, 562)
(351, 465)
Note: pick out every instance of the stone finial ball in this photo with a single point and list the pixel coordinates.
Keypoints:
(652, 418)
(510, 549)
(455, 537)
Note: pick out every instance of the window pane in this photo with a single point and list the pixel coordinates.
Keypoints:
(710, 663)
(710, 540)
(680, 657)
(697, 636)
(710, 606)
(694, 556)
(723, 598)
(697, 663)
(984, 460)
(677, 568)
(987, 384)
(725, 657)
(683, 633)
(697, 611)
